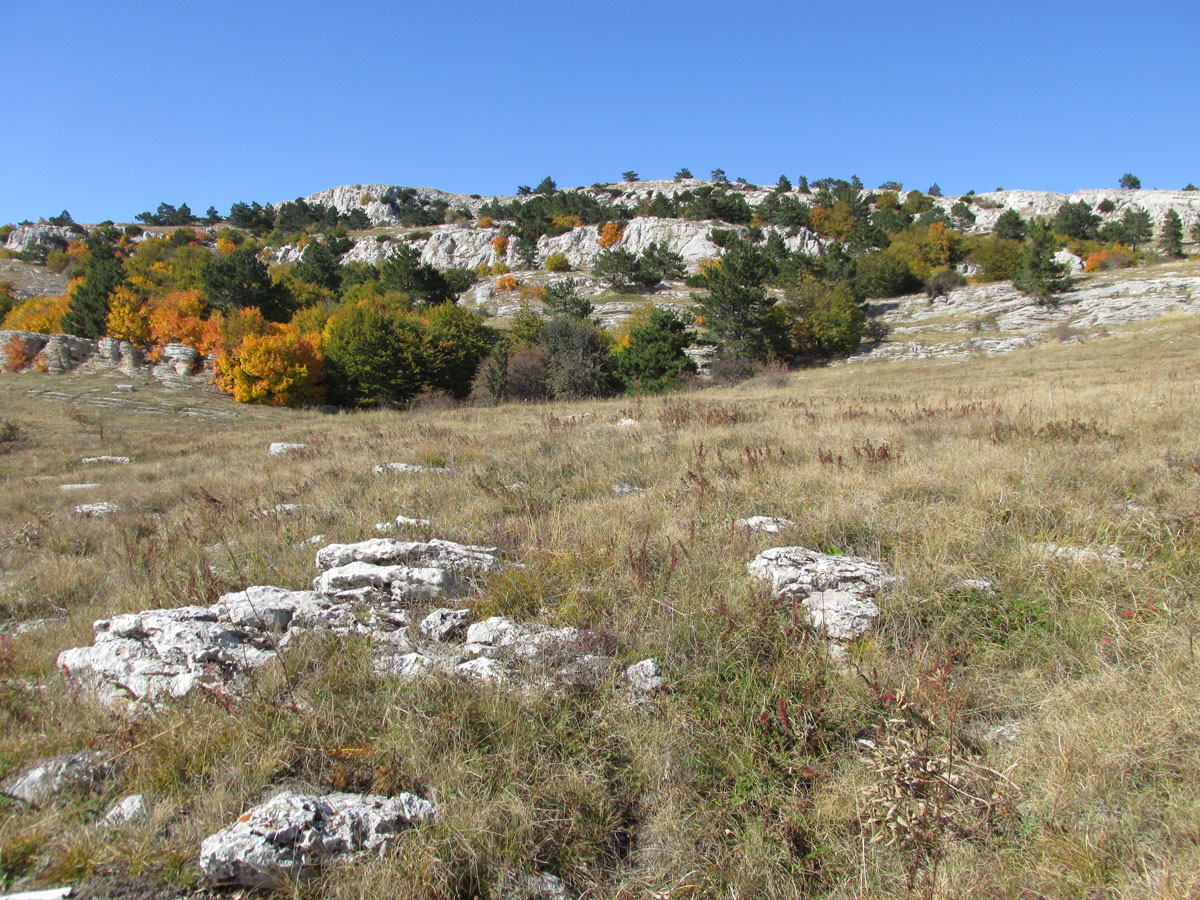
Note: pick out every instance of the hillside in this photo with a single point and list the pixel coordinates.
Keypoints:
(976, 677)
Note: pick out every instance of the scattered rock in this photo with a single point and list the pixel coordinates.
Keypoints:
(128, 811)
(498, 634)
(176, 364)
(78, 487)
(402, 521)
(629, 423)
(404, 583)
(408, 467)
(1084, 555)
(1004, 735)
(445, 624)
(644, 677)
(285, 509)
(483, 669)
(111, 460)
(530, 886)
(389, 551)
(64, 352)
(277, 843)
(768, 524)
(48, 779)
(836, 591)
(280, 448)
(976, 585)
(621, 488)
(95, 510)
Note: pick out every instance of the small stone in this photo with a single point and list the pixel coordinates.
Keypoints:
(280, 448)
(644, 677)
(622, 488)
(628, 423)
(291, 835)
(977, 585)
(483, 669)
(445, 624)
(128, 811)
(47, 779)
(408, 467)
(95, 510)
(539, 886)
(112, 460)
(768, 524)
(78, 487)
(1004, 735)
(402, 521)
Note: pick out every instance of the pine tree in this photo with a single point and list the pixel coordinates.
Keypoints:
(88, 310)
(737, 308)
(1172, 235)
(1040, 275)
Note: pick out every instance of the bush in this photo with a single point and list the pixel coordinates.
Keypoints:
(578, 363)
(943, 282)
(610, 234)
(557, 262)
(484, 222)
(457, 341)
(998, 257)
(507, 283)
(562, 299)
(42, 315)
(879, 274)
(525, 375)
(282, 368)
(826, 321)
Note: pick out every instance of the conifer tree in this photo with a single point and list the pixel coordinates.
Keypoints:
(1172, 235)
(89, 304)
(1040, 275)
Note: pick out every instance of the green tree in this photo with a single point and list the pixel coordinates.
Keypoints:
(404, 271)
(546, 186)
(457, 341)
(1010, 226)
(562, 299)
(879, 274)
(1172, 235)
(320, 265)
(374, 355)
(1131, 182)
(239, 279)
(783, 184)
(1137, 226)
(736, 309)
(961, 216)
(653, 361)
(683, 173)
(629, 175)
(825, 320)
(1076, 220)
(578, 361)
(1040, 275)
(935, 190)
(719, 175)
(88, 310)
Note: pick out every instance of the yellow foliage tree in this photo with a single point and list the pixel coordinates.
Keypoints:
(39, 314)
(610, 234)
(500, 245)
(127, 318)
(281, 368)
(565, 223)
(178, 318)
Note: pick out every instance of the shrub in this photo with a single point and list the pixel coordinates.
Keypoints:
(282, 368)
(499, 269)
(525, 375)
(610, 234)
(998, 257)
(877, 330)
(561, 224)
(578, 363)
(943, 282)
(15, 356)
(484, 222)
(1108, 258)
(557, 262)
(507, 283)
(1105, 206)
(456, 341)
(826, 321)
(562, 299)
(500, 245)
(879, 274)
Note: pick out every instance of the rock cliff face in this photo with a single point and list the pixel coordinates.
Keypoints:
(1046, 203)
(29, 237)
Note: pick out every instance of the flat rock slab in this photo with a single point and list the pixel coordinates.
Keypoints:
(411, 468)
(95, 510)
(276, 844)
(767, 524)
(434, 553)
(282, 448)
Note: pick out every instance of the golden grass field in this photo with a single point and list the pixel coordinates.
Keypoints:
(749, 776)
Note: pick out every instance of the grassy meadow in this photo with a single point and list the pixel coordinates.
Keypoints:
(766, 768)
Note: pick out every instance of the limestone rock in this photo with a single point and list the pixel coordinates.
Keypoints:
(411, 468)
(483, 669)
(268, 608)
(445, 624)
(47, 779)
(389, 551)
(420, 583)
(127, 811)
(1073, 263)
(176, 363)
(402, 522)
(87, 486)
(277, 843)
(497, 635)
(95, 510)
(26, 238)
(30, 342)
(64, 352)
(107, 460)
(282, 448)
(530, 886)
(768, 524)
(836, 591)
(644, 677)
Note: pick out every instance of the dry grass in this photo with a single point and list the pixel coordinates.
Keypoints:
(747, 778)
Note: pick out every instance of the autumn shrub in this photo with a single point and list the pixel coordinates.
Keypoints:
(280, 368)
(42, 315)
(498, 269)
(485, 222)
(610, 234)
(1108, 258)
(15, 356)
(561, 224)
(500, 245)
(525, 375)
(507, 283)
(179, 318)
(557, 262)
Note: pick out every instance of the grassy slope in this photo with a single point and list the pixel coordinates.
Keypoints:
(747, 778)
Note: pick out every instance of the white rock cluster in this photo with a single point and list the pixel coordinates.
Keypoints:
(47, 779)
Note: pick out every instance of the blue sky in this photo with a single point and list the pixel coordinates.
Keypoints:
(111, 108)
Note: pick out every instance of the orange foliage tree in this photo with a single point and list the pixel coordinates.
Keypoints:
(280, 368)
(610, 234)
(178, 318)
(500, 245)
(565, 223)
(15, 357)
(40, 314)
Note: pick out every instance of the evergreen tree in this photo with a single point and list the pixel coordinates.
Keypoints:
(562, 299)
(654, 360)
(737, 309)
(1010, 225)
(239, 279)
(1131, 182)
(1138, 226)
(88, 311)
(319, 265)
(1172, 235)
(1040, 276)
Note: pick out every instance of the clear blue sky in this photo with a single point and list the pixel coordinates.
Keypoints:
(110, 108)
